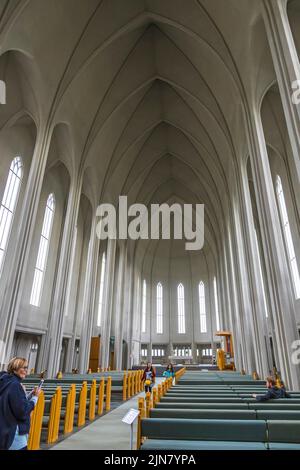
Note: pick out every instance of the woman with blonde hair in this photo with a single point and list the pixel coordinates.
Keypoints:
(15, 407)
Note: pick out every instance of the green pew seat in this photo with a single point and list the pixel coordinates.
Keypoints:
(222, 406)
(274, 405)
(284, 435)
(168, 399)
(202, 414)
(204, 429)
(166, 444)
(290, 415)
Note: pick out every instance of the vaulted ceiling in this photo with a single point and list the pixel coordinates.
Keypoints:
(152, 93)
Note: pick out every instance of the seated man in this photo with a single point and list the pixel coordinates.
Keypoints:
(273, 391)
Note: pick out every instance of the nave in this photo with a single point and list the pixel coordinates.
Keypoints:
(170, 104)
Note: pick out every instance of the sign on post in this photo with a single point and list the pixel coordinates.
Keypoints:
(130, 418)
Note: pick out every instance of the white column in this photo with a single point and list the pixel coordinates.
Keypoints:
(120, 307)
(52, 345)
(127, 308)
(88, 310)
(108, 301)
(287, 68)
(259, 321)
(279, 280)
(242, 339)
(9, 310)
(77, 309)
(131, 304)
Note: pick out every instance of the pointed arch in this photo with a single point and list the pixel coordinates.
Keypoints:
(159, 308)
(181, 309)
(9, 204)
(42, 257)
(202, 308)
(288, 236)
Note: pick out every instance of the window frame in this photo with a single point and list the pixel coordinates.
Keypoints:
(159, 309)
(181, 309)
(43, 252)
(9, 205)
(288, 238)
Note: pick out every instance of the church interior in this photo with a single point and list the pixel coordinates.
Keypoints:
(166, 102)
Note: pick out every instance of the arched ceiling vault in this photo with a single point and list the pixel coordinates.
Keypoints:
(147, 97)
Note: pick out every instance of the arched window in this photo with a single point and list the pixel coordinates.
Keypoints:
(159, 309)
(203, 326)
(181, 309)
(101, 290)
(8, 205)
(41, 262)
(288, 236)
(144, 304)
(216, 304)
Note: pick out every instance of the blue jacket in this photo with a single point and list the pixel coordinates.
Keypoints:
(168, 373)
(15, 409)
(273, 393)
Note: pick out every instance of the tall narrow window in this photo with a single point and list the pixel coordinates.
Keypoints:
(144, 304)
(159, 309)
(203, 327)
(181, 309)
(288, 237)
(8, 205)
(101, 289)
(41, 262)
(216, 304)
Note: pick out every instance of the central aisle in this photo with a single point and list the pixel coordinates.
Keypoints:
(106, 433)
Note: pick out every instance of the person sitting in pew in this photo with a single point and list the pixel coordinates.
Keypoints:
(273, 391)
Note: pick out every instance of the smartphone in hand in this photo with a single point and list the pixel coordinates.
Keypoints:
(39, 387)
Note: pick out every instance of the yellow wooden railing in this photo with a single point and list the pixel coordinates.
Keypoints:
(70, 410)
(36, 422)
(82, 405)
(132, 385)
(54, 417)
(108, 394)
(179, 374)
(101, 396)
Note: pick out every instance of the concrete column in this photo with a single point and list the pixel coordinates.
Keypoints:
(287, 68)
(258, 318)
(127, 307)
(108, 301)
(77, 310)
(9, 309)
(233, 305)
(50, 356)
(194, 352)
(130, 318)
(279, 280)
(120, 307)
(242, 339)
(88, 306)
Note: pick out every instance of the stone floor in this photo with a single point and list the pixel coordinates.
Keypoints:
(106, 433)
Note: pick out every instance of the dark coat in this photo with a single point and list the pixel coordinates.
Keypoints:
(15, 409)
(273, 393)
